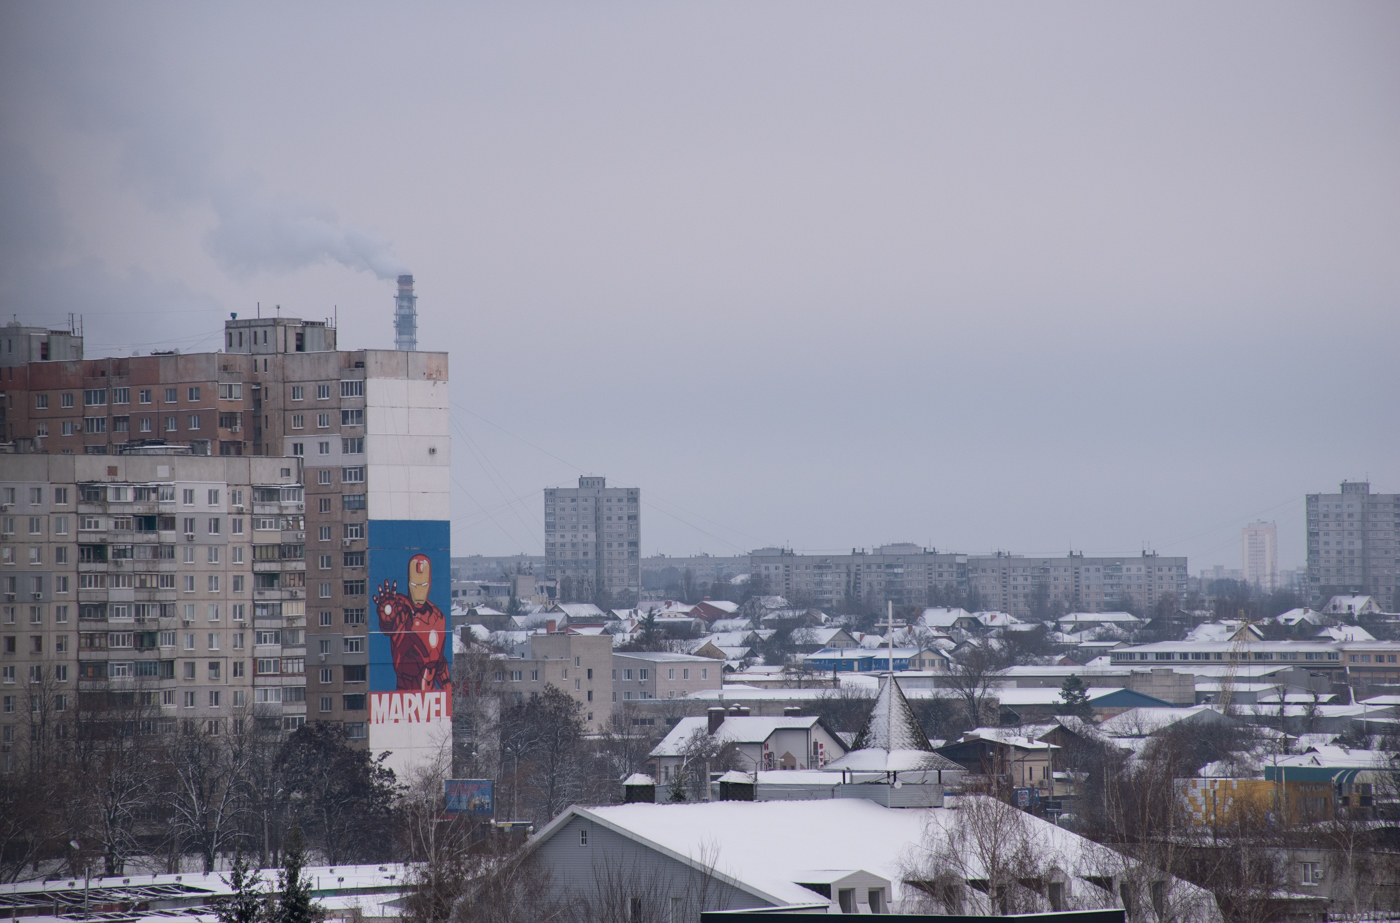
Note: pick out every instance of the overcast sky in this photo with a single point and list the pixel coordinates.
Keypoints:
(1026, 277)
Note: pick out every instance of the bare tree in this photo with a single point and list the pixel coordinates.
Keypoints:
(972, 676)
(208, 792)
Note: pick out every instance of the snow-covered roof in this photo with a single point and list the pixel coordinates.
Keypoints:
(1125, 618)
(767, 848)
(1012, 737)
(1294, 616)
(1351, 604)
(942, 616)
(1140, 722)
(579, 610)
(729, 624)
(1346, 633)
(891, 739)
(663, 657)
(736, 729)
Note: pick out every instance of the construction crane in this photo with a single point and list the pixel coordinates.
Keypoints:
(1238, 651)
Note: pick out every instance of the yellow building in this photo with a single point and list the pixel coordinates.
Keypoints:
(1249, 802)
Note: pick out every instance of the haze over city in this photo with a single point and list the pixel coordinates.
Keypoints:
(990, 277)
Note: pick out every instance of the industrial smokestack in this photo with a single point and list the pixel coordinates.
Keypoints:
(406, 316)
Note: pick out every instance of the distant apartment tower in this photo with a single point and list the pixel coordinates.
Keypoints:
(365, 435)
(1353, 546)
(1259, 549)
(1018, 585)
(593, 536)
(903, 573)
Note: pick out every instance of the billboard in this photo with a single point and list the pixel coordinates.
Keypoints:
(469, 796)
(410, 639)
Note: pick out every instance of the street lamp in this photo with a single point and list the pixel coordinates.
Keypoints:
(87, 875)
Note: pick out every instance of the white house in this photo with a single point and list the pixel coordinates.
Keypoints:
(789, 742)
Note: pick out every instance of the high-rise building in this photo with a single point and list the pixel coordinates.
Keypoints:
(593, 537)
(366, 434)
(901, 572)
(1259, 549)
(906, 574)
(144, 581)
(1353, 546)
(1018, 585)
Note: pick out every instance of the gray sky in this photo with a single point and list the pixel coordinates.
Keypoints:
(981, 276)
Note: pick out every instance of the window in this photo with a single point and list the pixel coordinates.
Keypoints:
(323, 448)
(355, 446)
(298, 449)
(353, 616)
(354, 702)
(323, 420)
(583, 836)
(325, 562)
(323, 505)
(352, 475)
(231, 392)
(172, 395)
(354, 559)
(298, 421)
(194, 393)
(94, 424)
(65, 400)
(352, 417)
(352, 389)
(298, 392)
(353, 501)
(60, 496)
(323, 477)
(354, 645)
(121, 395)
(1312, 873)
(354, 588)
(95, 397)
(323, 392)
(354, 530)
(324, 591)
(144, 395)
(194, 421)
(41, 402)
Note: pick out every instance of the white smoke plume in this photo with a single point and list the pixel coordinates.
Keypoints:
(256, 234)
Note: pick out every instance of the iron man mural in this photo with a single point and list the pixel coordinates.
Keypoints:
(416, 629)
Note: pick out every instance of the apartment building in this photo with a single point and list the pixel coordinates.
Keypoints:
(1259, 551)
(903, 573)
(160, 581)
(640, 675)
(579, 665)
(1016, 584)
(368, 430)
(593, 536)
(1353, 545)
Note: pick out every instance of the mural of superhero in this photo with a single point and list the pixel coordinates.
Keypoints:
(416, 629)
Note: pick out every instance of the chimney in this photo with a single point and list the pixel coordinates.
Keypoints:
(743, 711)
(792, 711)
(549, 626)
(716, 718)
(639, 788)
(406, 316)
(734, 710)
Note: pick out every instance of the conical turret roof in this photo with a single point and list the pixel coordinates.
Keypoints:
(891, 739)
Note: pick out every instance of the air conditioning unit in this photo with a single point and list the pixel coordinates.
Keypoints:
(301, 506)
(189, 536)
(7, 506)
(346, 542)
(9, 596)
(38, 595)
(238, 509)
(188, 622)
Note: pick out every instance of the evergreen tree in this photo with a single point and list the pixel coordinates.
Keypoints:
(294, 898)
(1074, 699)
(247, 903)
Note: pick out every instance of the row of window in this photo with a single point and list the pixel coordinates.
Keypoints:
(97, 397)
(348, 388)
(348, 446)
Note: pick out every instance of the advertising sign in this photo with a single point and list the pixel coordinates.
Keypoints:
(469, 796)
(410, 643)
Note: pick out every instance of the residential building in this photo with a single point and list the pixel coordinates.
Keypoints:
(368, 430)
(21, 345)
(1259, 549)
(902, 573)
(593, 537)
(1021, 585)
(789, 742)
(579, 665)
(1353, 545)
(640, 675)
(161, 582)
